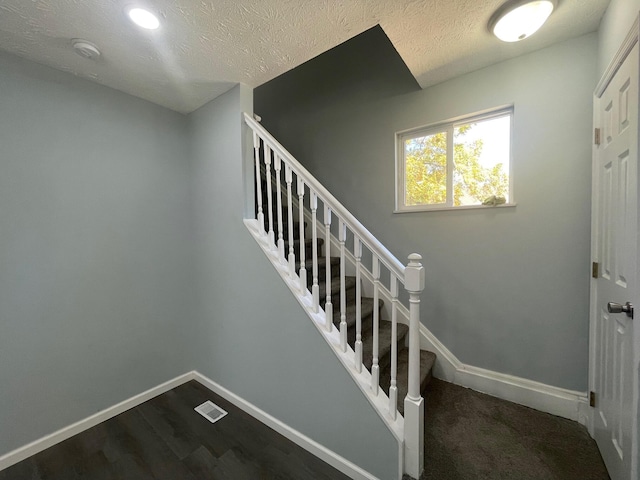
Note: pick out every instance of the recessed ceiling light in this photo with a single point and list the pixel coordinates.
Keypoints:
(519, 19)
(143, 18)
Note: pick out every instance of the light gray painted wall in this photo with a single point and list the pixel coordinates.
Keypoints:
(614, 27)
(95, 250)
(255, 339)
(507, 289)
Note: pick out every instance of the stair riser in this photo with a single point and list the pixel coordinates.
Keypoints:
(350, 296)
(351, 332)
(366, 312)
(308, 250)
(384, 360)
(322, 274)
(285, 227)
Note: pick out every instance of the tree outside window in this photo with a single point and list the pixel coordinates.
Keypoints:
(457, 164)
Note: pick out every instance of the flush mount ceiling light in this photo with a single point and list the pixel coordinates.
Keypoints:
(519, 19)
(143, 18)
(85, 48)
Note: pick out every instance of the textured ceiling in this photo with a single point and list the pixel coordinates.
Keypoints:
(206, 46)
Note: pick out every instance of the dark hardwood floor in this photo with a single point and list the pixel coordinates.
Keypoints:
(165, 438)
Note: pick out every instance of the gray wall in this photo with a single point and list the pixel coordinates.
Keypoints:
(507, 289)
(95, 255)
(614, 27)
(103, 293)
(255, 339)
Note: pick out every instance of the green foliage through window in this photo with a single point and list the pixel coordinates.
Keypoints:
(463, 163)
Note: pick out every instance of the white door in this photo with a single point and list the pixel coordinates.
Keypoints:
(615, 248)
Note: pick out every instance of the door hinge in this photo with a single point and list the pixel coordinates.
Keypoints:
(595, 270)
(592, 399)
(596, 136)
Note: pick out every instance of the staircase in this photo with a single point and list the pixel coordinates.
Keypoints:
(385, 326)
(349, 285)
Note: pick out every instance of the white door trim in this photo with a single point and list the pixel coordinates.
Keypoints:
(629, 42)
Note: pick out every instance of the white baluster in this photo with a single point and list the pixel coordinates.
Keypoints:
(342, 236)
(292, 256)
(393, 389)
(303, 269)
(357, 252)
(260, 216)
(328, 306)
(267, 163)
(315, 289)
(277, 166)
(413, 402)
(375, 369)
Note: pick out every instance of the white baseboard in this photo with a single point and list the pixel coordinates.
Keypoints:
(557, 401)
(539, 396)
(47, 441)
(339, 463)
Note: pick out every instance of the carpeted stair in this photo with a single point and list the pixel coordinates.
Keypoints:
(427, 359)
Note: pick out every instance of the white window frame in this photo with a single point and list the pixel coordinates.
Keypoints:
(448, 127)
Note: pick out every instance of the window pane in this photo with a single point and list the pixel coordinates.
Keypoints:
(481, 161)
(426, 169)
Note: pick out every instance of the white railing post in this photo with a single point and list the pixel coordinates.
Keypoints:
(292, 256)
(393, 388)
(414, 280)
(267, 163)
(315, 288)
(328, 306)
(278, 167)
(357, 252)
(375, 368)
(342, 235)
(260, 215)
(303, 269)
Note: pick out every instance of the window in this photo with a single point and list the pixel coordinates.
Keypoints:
(457, 164)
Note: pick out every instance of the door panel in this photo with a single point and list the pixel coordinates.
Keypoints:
(615, 244)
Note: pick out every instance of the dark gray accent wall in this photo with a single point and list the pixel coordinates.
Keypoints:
(254, 338)
(365, 68)
(507, 289)
(96, 274)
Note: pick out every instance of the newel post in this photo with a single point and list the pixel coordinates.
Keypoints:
(414, 403)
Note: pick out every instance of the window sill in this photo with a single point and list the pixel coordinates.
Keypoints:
(464, 207)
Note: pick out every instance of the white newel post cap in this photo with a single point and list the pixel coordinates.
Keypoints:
(414, 278)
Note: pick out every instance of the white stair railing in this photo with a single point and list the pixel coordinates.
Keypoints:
(270, 158)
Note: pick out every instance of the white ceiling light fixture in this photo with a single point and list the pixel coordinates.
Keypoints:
(519, 19)
(143, 18)
(85, 48)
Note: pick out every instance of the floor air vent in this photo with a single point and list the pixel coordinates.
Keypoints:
(210, 411)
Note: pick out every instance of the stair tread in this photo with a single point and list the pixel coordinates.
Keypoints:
(349, 283)
(427, 360)
(350, 314)
(322, 262)
(285, 225)
(307, 241)
(384, 342)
